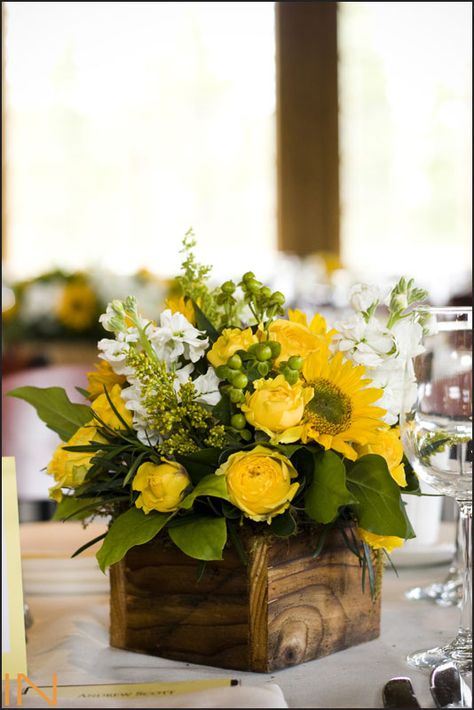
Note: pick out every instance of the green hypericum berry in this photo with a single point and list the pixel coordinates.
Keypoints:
(263, 368)
(228, 287)
(295, 362)
(253, 285)
(264, 352)
(246, 435)
(291, 376)
(234, 362)
(238, 421)
(223, 372)
(248, 276)
(236, 395)
(240, 381)
(274, 347)
(265, 292)
(278, 298)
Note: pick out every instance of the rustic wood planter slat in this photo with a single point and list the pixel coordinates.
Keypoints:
(283, 609)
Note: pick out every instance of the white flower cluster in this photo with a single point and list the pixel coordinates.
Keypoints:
(173, 342)
(384, 345)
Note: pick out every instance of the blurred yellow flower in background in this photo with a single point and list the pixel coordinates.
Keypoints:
(78, 305)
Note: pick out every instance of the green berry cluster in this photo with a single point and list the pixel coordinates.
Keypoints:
(263, 303)
(291, 369)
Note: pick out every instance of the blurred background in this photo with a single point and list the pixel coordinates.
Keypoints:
(315, 143)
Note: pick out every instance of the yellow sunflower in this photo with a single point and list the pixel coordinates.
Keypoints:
(341, 411)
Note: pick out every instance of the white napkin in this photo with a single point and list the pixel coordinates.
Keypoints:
(268, 695)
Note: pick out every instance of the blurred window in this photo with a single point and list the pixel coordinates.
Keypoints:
(405, 134)
(129, 122)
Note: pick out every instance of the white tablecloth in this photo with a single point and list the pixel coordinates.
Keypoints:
(70, 636)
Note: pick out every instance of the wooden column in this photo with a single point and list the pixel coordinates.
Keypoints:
(307, 127)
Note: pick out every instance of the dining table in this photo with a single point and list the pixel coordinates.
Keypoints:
(69, 636)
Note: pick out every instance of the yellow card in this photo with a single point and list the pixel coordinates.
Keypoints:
(129, 691)
(13, 616)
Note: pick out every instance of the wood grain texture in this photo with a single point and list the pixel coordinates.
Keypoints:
(283, 609)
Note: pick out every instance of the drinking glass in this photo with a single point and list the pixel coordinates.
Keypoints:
(436, 429)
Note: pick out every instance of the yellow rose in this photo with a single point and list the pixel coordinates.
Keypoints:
(103, 375)
(69, 468)
(387, 542)
(388, 445)
(161, 486)
(296, 337)
(259, 482)
(277, 408)
(102, 408)
(231, 340)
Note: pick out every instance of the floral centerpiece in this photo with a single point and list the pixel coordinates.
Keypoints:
(229, 415)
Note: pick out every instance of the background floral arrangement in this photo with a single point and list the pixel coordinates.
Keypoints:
(230, 414)
(66, 305)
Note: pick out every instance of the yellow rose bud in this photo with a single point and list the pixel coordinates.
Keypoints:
(259, 482)
(377, 542)
(297, 338)
(102, 408)
(103, 375)
(388, 445)
(161, 486)
(69, 468)
(231, 340)
(277, 408)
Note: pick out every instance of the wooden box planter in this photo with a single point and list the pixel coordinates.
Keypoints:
(283, 609)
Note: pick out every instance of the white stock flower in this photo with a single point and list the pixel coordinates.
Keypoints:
(207, 388)
(115, 351)
(182, 375)
(132, 397)
(364, 343)
(41, 300)
(408, 335)
(362, 296)
(175, 337)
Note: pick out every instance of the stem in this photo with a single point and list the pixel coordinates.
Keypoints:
(465, 520)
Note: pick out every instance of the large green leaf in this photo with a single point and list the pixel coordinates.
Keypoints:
(211, 485)
(199, 464)
(203, 323)
(55, 409)
(327, 491)
(379, 506)
(131, 528)
(72, 508)
(201, 538)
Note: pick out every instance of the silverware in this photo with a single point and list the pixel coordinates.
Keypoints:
(448, 688)
(398, 693)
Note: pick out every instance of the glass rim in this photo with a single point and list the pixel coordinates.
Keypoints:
(444, 309)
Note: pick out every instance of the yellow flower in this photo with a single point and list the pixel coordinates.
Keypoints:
(387, 542)
(161, 486)
(231, 340)
(77, 308)
(387, 443)
(182, 305)
(277, 408)
(341, 412)
(69, 468)
(103, 375)
(296, 337)
(107, 415)
(259, 482)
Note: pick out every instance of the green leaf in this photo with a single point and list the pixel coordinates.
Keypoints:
(211, 485)
(379, 506)
(327, 491)
(131, 528)
(201, 538)
(55, 409)
(203, 323)
(199, 464)
(283, 525)
(73, 508)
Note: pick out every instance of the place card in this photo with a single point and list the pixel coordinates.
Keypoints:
(13, 615)
(129, 691)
